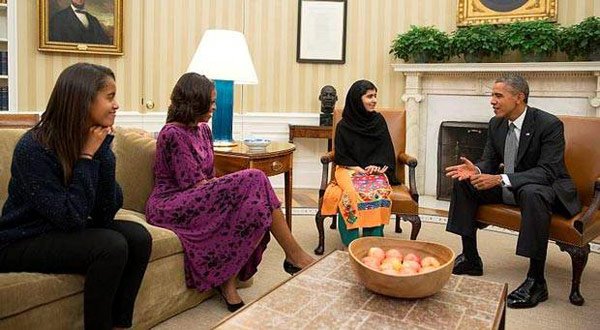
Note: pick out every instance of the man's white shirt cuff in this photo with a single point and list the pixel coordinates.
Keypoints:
(505, 180)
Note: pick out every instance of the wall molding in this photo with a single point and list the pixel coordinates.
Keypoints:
(307, 167)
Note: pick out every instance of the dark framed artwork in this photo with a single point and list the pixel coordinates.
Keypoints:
(81, 26)
(321, 31)
(471, 12)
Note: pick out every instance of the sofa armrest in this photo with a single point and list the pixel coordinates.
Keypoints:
(412, 180)
(594, 205)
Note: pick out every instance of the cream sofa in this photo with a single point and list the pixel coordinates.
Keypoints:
(33, 300)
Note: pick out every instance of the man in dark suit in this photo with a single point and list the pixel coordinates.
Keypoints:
(75, 24)
(530, 143)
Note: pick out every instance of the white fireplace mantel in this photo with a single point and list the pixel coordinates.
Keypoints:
(460, 91)
(499, 67)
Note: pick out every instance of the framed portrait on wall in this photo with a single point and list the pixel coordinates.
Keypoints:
(472, 12)
(321, 31)
(81, 26)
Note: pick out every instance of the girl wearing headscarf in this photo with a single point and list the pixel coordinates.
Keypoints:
(365, 167)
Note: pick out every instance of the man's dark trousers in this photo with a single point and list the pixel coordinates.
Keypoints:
(536, 204)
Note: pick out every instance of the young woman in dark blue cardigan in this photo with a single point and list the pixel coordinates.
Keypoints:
(63, 196)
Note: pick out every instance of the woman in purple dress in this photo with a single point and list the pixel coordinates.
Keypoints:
(223, 223)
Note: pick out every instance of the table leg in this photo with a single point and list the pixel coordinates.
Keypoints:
(288, 197)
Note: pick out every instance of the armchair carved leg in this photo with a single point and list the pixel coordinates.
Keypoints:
(319, 222)
(398, 228)
(415, 220)
(579, 257)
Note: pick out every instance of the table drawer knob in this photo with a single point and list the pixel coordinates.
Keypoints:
(276, 166)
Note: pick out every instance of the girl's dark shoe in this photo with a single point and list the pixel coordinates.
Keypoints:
(230, 307)
(290, 268)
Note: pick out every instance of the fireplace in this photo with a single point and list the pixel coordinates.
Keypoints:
(457, 139)
(434, 93)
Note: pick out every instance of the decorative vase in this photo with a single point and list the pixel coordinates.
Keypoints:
(422, 57)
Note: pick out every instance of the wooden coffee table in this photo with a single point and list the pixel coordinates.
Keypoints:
(327, 295)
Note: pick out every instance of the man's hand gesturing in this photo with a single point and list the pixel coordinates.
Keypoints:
(462, 171)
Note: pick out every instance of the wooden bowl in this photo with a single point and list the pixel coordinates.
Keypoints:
(402, 286)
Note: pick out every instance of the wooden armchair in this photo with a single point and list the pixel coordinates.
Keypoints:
(582, 158)
(405, 200)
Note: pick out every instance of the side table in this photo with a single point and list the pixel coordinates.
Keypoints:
(308, 131)
(275, 159)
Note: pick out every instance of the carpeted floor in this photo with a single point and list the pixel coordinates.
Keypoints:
(500, 264)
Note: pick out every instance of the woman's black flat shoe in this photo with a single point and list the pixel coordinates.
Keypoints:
(290, 268)
(230, 307)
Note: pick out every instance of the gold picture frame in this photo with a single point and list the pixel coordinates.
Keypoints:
(77, 26)
(473, 12)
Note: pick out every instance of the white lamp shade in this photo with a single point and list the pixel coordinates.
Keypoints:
(224, 55)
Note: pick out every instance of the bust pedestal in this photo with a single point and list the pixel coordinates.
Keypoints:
(325, 119)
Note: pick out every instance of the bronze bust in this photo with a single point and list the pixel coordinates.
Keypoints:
(328, 97)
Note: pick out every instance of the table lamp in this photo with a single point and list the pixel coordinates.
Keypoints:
(223, 56)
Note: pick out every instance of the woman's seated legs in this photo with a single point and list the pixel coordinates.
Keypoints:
(99, 254)
(293, 252)
(139, 243)
(347, 235)
(373, 231)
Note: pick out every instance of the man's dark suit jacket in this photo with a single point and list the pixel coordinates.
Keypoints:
(540, 159)
(66, 27)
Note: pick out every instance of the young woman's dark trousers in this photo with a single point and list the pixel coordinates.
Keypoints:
(112, 259)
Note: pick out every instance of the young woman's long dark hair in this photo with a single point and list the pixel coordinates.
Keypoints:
(190, 99)
(64, 125)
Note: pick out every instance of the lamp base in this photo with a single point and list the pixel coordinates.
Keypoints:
(224, 143)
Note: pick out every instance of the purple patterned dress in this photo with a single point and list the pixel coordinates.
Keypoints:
(224, 223)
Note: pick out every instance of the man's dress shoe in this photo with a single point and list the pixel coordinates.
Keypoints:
(528, 294)
(462, 265)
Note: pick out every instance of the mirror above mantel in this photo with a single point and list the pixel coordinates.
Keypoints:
(437, 92)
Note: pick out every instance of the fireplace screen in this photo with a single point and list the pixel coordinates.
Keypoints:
(457, 139)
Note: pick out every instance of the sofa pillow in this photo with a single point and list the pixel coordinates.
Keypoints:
(134, 150)
(9, 138)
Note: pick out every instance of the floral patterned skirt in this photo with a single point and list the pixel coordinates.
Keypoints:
(362, 199)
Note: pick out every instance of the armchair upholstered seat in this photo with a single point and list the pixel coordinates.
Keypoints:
(405, 199)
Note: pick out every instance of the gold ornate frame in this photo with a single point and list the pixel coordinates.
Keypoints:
(472, 12)
(46, 10)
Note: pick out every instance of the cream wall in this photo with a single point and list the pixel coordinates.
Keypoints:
(161, 36)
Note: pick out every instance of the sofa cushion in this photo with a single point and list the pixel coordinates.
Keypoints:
(9, 138)
(22, 291)
(134, 150)
(164, 241)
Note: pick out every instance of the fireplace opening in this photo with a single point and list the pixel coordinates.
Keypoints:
(457, 139)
